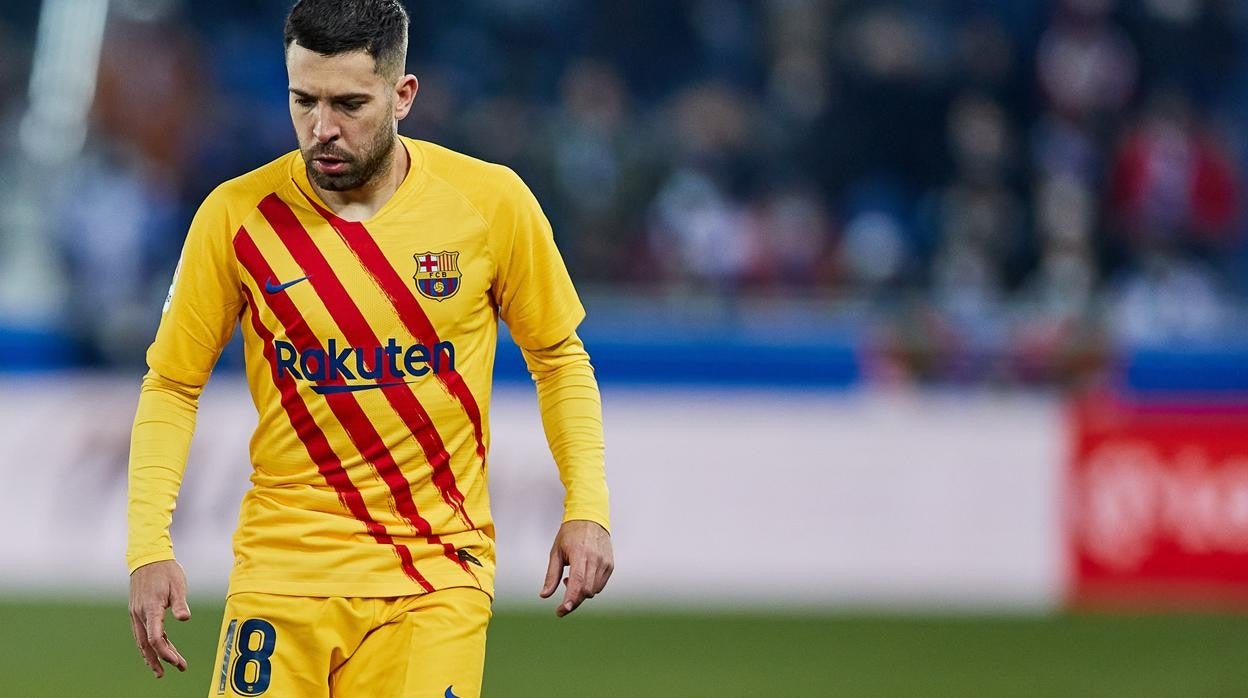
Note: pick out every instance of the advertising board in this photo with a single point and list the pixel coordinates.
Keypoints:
(1158, 502)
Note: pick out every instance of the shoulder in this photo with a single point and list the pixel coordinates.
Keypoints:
(239, 196)
(486, 186)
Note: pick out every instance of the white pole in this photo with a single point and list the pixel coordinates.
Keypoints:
(51, 134)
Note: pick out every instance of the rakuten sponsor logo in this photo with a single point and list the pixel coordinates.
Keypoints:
(377, 367)
(1131, 501)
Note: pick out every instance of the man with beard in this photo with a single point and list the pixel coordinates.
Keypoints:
(368, 272)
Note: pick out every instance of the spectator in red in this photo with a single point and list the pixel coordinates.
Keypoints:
(1172, 181)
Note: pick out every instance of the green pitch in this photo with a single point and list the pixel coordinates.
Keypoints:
(84, 649)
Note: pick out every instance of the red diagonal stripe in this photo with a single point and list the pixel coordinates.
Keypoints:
(413, 316)
(359, 333)
(314, 440)
(344, 406)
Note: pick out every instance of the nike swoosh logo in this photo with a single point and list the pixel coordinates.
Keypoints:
(448, 692)
(335, 389)
(271, 286)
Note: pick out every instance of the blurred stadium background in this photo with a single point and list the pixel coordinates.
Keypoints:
(920, 325)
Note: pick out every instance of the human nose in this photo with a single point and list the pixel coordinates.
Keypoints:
(325, 128)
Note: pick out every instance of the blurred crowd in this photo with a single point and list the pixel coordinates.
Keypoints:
(1051, 175)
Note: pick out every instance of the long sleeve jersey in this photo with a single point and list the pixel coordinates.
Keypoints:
(369, 350)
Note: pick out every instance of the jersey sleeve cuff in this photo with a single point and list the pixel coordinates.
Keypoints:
(136, 562)
(599, 519)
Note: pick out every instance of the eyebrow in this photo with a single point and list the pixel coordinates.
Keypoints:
(361, 96)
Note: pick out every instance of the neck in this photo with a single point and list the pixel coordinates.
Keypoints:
(365, 201)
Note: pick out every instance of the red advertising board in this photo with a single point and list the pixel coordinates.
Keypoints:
(1158, 503)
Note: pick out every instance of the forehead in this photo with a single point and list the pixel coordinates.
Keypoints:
(314, 73)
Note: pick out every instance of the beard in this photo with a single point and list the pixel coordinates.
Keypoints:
(360, 169)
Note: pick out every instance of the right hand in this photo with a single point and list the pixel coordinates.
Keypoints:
(153, 588)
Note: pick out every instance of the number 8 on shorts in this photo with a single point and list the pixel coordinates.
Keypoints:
(251, 669)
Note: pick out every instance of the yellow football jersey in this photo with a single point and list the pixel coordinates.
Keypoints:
(369, 353)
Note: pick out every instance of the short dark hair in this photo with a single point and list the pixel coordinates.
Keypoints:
(330, 27)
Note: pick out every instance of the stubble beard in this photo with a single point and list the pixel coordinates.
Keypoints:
(361, 169)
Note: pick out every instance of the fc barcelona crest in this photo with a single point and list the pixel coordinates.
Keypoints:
(437, 274)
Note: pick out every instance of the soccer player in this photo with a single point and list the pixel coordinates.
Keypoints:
(368, 272)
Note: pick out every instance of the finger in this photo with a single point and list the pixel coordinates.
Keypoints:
(159, 641)
(166, 651)
(574, 593)
(152, 661)
(140, 639)
(590, 586)
(136, 629)
(181, 609)
(605, 568)
(554, 568)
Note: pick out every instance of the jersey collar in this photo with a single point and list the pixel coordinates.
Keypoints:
(412, 182)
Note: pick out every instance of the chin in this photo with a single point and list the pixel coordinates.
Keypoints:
(342, 182)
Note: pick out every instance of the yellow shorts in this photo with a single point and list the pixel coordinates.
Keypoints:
(413, 646)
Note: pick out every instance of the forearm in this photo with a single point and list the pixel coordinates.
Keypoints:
(567, 394)
(160, 441)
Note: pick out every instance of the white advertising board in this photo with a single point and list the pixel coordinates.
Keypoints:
(721, 497)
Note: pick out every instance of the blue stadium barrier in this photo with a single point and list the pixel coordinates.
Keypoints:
(1221, 369)
(36, 349)
(723, 358)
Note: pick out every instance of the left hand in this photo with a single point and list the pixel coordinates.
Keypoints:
(584, 548)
